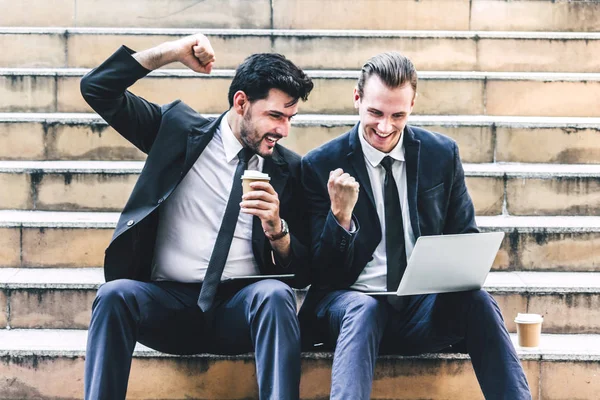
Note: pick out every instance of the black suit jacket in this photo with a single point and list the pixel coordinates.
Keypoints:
(174, 136)
(438, 202)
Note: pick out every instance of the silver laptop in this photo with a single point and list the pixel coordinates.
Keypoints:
(448, 263)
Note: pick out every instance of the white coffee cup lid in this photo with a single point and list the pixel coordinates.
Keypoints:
(253, 174)
(528, 318)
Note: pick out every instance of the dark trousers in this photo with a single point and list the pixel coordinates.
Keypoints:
(260, 317)
(361, 326)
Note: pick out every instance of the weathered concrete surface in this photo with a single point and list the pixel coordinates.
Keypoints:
(10, 247)
(58, 247)
(51, 309)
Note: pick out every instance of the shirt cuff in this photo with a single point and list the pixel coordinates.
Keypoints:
(353, 225)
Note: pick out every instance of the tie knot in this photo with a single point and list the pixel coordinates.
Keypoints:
(386, 163)
(245, 154)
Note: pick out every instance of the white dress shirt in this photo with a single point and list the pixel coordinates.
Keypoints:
(373, 277)
(190, 219)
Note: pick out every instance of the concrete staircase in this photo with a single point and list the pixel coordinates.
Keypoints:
(513, 82)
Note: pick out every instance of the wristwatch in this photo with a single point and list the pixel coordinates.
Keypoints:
(284, 231)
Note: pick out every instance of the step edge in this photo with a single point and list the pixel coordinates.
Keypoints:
(333, 33)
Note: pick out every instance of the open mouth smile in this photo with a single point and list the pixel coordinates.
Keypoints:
(271, 140)
(383, 136)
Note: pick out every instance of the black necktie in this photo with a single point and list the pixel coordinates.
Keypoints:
(395, 248)
(225, 236)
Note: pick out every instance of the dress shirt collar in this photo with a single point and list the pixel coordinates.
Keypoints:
(375, 156)
(231, 144)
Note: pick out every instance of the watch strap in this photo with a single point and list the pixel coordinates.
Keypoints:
(277, 236)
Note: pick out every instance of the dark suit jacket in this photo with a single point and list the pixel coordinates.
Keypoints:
(438, 202)
(174, 136)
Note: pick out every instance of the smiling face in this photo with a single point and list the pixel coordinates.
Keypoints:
(383, 112)
(264, 122)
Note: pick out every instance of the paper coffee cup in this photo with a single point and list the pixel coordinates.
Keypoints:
(529, 330)
(250, 176)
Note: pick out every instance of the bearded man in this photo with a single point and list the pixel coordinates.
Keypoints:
(187, 231)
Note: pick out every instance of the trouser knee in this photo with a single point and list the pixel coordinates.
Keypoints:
(114, 296)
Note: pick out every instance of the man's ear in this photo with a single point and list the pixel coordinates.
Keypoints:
(240, 102)
(356, 98)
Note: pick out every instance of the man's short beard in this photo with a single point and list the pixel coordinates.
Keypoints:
(247, 131)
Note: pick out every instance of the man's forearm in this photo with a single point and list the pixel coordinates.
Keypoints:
(283, 247)
(157, 57)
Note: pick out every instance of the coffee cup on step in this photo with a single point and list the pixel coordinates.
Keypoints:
(529, 330)
(250, 176)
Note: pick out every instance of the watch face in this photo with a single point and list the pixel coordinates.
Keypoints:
(284, 226)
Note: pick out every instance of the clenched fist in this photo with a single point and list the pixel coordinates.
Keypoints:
(343, 194)
(196, 53)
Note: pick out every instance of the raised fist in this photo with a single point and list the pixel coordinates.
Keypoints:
(196, 53)
(343, 193)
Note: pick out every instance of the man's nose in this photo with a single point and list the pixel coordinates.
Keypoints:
(384, 126)
(284, 129)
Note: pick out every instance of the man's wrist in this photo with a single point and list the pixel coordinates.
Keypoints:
(343, 220)
(168, 52)
(284, 230)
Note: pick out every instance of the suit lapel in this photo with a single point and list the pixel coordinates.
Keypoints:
(412, 149)
(367, 206)
(277, 169)
(357, 160)
(197, 140)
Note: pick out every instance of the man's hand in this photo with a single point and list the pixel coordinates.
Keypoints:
(196, 53)
(263, 202)
(193, 51)
(343, 194)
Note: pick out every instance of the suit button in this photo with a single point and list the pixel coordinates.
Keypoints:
(130, 222)
(160, 200)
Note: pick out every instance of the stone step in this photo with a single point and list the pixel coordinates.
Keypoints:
(68, 136)
(524, 15)
(440, 93)
(78, 239)
(317, 49)
(516, 189)
(534, 189)
(62, 298)
(49, 364)
(535, 15)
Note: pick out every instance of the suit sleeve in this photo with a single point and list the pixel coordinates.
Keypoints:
(332, 246)
(298, 260)
(293, 211)
(105, 90)
(299, 236)
(460, 217)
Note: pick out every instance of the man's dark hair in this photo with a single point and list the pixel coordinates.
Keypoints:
(262, 72)
(394, 70)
